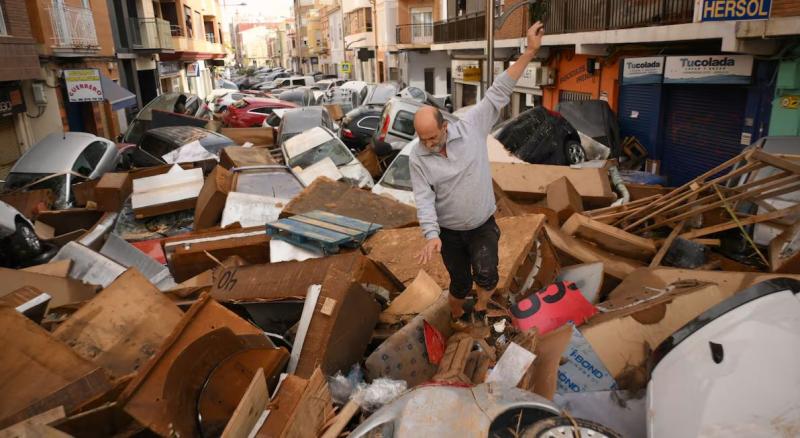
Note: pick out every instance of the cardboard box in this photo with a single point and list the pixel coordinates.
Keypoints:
(238, 156)
(188, 254)
(256, 136)
(30, 202)
(563, 199)
(211, 200)
(530, 181)
(174, 191)
(112, 190)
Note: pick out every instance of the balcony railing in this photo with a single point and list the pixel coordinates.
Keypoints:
(469, 27)
(210, 37)
(73, 27)
(150, 34)
(568, 16)
(176, 30)
(415, 33)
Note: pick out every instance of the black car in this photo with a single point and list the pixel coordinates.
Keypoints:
(358, 125)
(160, 141)
(541, 136)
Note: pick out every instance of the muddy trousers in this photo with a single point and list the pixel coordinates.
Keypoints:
(471, 256)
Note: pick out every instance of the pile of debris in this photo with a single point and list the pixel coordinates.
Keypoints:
(226, 299)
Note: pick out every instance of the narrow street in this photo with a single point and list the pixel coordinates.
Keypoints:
(399, 218)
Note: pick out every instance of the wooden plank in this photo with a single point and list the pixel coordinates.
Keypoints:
(613, 265)
(123, 326)
(563, 198)
(47, 417)
(746, 221)
(776, 161)
(347, 413)
(610, 238)
(59, 268)
(339, 229)
(254, 402)
(665, 246)
(531, 181)
(344, 221)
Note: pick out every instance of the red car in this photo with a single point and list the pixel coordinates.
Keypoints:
(251, 111)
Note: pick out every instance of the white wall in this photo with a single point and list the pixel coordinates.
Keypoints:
(415, 64)
(50, 119)
(336, 44)
(386, 11)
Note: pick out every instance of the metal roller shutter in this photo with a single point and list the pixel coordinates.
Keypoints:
(702, 128)
(639, 115)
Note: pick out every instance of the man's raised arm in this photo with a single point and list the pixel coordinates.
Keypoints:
(485, 112)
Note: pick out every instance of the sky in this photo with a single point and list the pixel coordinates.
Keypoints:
(265, 8)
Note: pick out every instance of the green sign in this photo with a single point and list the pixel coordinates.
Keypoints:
(345, 67)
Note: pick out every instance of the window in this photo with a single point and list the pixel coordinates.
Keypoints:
(90, 157)
(3, 28)
(370, 123)
(498, 7)
(404, 123)
(422, 25)
(261, 111)
(187, 16)
(429, 80)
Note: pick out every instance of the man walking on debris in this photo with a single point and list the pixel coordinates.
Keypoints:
(452, 185)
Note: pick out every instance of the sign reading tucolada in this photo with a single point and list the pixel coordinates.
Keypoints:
(708, 69)
(649, 70)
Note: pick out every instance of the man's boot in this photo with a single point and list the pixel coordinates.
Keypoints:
(483, 298)
(457, 314)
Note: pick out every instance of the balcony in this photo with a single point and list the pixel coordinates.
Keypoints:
(469, 27)
(150, 34)
(568, 16)
(73, 28)
(415, 34)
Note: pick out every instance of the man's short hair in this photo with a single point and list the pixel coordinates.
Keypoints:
(439, 117)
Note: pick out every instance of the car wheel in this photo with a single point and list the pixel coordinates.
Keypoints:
(574, 152)
(25, 244)
(558, 427)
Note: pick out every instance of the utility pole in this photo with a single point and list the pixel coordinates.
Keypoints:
(374, 13)
(489, 52)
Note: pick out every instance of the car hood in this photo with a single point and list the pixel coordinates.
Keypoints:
(54, 154)
(356, 172)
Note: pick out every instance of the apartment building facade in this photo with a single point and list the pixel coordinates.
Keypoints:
(198, 46)
(17, 74)
(695, 83)
(75, 35)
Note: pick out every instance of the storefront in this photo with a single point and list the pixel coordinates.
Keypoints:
(466, 82)
(694, 112)
(12, 109)
(170, 74)
(580, 77)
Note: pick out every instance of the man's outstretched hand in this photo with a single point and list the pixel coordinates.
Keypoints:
(535, 34)
(433, 247)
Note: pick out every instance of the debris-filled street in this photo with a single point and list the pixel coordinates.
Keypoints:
(250, 247)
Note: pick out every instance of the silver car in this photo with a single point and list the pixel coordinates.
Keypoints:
(61, 160)
(314, 147)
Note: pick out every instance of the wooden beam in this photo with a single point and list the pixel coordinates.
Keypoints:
(610, 238)
(776, 161)
(665, 246)
(747, 221)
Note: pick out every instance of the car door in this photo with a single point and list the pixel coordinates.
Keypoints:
(92, 155)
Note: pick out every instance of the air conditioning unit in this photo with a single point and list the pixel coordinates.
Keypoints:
(545, 76)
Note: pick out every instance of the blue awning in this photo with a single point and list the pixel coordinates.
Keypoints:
(117, 96)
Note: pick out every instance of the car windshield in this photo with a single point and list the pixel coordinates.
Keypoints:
(278, 183)
(59, 184)
(331, 148)
(380, 95)
(398, 175)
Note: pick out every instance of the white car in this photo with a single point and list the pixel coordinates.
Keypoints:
(396, 181)
(19, 245)
(318, 151)
(224, 98)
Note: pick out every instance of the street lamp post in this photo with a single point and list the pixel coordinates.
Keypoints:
(491, 26)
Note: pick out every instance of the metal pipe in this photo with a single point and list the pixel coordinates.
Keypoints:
(489, 45)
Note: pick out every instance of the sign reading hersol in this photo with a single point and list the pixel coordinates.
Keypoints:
(726, 10)
(83, 85)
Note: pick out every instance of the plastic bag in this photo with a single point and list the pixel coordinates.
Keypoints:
(380, 392)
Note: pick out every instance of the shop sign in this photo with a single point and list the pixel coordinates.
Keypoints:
(729, 10)
(168, 68)
(193, 70)
(83, 85)
(528, 78)
(790, 102)
(11, 101)
(649, 70)
(469, 71)
(708, 69)
(345, 67)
